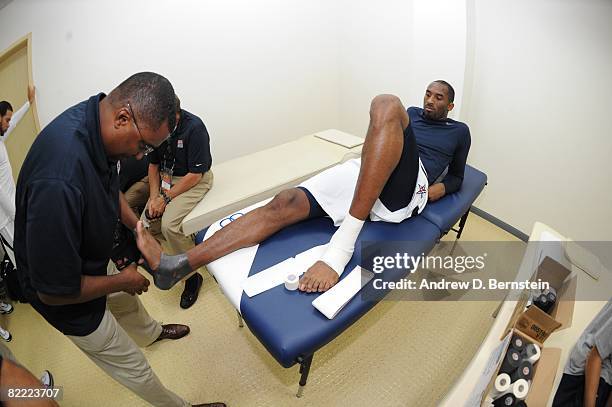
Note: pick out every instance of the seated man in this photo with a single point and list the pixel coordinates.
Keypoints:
(179, 177)
(404, 153)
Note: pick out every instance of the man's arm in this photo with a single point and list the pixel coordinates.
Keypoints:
(456, 169)
(592, 372)
(185, 184)
(154, 196)
(92, 287)
(13, 376)
(128, 217)
(18, 115)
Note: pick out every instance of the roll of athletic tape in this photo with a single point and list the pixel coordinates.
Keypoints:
(517, 343)
(292, 281)
(524, 371)
(501, 386)
(507, 400)
(511, 361)
(520, 388)
(532, 353)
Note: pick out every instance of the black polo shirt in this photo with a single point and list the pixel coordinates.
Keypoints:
(188, 149)
(67, 206)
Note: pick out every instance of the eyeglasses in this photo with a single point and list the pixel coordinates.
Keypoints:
(145, 147)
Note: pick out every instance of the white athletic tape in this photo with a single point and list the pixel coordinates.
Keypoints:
(342, 244)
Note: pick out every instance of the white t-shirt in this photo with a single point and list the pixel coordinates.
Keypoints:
(7, 183)
(599, 334)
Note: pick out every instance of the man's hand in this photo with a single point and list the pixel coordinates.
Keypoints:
(157, 206)
(319, 277)
(436, 191)
(133, 281)
(31, 93)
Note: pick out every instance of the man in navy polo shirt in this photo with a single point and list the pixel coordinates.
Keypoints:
(179, 177)
(68, 203)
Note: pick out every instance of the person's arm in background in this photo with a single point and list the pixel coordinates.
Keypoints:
(13, 376)
(154, 196)
(454, 177)
(18, 115)
(592, 372)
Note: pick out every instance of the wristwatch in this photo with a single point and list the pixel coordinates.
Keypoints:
(167, 199)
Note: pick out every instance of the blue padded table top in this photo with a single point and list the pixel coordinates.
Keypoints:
(285, 321)
(447, 211)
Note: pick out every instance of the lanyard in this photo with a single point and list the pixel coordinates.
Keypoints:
(170, 153)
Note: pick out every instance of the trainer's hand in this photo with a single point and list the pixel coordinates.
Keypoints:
(133, 281)
(319, 277)
(436, 191)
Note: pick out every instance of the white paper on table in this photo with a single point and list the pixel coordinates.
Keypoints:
(333, 300)
(275, 275)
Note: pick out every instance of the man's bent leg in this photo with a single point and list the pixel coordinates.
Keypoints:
(137, 195)
(380, 155)
(288, 207)
(172, 229)
(113, 351)
(177, 209)
(134, 318)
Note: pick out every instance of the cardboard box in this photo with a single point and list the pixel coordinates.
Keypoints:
(535, 326)
(534, 322)
(544, 371)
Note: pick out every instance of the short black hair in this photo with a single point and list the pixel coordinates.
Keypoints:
(151, 95)
(5, 107)
(451, 91)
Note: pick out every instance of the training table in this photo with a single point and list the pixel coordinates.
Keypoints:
(286, 322)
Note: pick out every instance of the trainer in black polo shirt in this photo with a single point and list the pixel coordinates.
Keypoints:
(68, 203)
(77, 208)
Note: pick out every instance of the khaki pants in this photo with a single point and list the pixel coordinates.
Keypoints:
(137, 195)
(169, 227)
(113, 347)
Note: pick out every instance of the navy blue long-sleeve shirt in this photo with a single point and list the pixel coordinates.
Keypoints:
(441, 143)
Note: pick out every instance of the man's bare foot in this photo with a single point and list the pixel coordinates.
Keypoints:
(319, 277)
(148, 246)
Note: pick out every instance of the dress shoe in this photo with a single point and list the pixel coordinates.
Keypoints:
(173, 331)
(191, 291)
(217, 404)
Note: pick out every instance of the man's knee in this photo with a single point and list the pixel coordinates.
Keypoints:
(388, 108)
(170, 226)
(288, 202)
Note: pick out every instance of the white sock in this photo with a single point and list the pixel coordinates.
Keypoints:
(342, 244)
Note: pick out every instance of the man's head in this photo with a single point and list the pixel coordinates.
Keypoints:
(438, 100)
(6, 113)
(137, 115)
